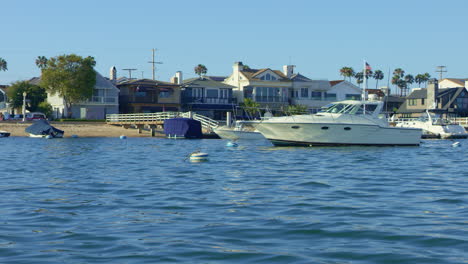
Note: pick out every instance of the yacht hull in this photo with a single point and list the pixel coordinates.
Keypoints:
(329, 134)
(226, 133)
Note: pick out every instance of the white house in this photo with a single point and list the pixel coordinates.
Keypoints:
(105, 100)
(453, 83)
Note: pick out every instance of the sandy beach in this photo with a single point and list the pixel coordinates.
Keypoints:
(81, 129)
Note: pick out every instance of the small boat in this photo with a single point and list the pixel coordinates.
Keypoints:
(4, 134)
(434, 126)
(198, 156)
(346, 122)
(240, 131)
(42, 129)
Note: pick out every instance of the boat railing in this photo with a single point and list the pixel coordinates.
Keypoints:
(463, 121)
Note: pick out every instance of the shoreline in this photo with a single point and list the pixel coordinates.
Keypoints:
(80, 129)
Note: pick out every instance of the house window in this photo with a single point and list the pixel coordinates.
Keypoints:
(304, 92)
(212, 93)
(353, 96)
(330, 96)
(197, 92)
(412, 102)
(422, 101)
(316, 95)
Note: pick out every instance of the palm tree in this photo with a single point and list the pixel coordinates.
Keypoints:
(395, 80)
(3, 65)
(347, 72)
(378, 75)
(419, 79)
(402, 85)
(427, 76)
(359, 77)
(200, 69)
(399, 72)
(41, 62)
(409, 79)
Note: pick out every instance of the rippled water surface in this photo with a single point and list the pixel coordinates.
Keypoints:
(106, 200)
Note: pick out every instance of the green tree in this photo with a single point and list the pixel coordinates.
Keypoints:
(419, 78)
(250, 107)
(402, 85)
(200, 69)
(399, 72)
(359, 77)
(41, 62)
(427, 76)
(297, 109)
(378, 75)
(71, 77)
(3, 65)
(347, 72)
(45, 107)
(34, 94)
(409, 79)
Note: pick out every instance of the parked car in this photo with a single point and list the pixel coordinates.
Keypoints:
(35, 116)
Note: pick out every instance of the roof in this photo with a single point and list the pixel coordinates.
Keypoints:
(147, 82)
(205, 82)
(458, 81)
(300, 78)
(422, 94)
(252, 74)
(333, 83)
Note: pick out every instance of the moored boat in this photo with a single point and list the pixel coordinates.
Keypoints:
(343, 123)
(42, 129)
(239, 131)
(434, 126)
(4, 134)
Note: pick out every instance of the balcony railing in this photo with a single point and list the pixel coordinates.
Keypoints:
(271, 99)
(208, 100)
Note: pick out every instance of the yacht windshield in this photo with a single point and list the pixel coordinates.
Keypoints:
(351, 109)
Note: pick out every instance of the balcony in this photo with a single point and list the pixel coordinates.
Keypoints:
(208, 100)
(271, 99)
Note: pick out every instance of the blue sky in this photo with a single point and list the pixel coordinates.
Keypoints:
(319, 37)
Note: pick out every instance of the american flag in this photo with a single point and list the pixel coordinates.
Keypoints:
(368, 67)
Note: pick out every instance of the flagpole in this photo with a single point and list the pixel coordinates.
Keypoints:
(364, 84)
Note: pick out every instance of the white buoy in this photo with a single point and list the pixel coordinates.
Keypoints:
(49, 137)
(456, 144)
(231, 144)
(123, 137)
(198, 156)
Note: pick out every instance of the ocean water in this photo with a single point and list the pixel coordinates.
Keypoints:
(139, 200)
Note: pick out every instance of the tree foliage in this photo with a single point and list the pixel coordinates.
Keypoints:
(34, 94)
(3, 65)
(378, 75)
(297, 109)
(71, 77)
(46, 108)
(347, 72)
(41, 62)
(200, 69)
(250, 107)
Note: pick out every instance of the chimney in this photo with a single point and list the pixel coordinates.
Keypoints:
(113, 74)
(177, 78)
(432, 92)
(466, 84)
(238, 66)
(288, 70)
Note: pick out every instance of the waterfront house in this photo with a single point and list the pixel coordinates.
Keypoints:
(148, 96)
(453, 83)
(270, 88)
(207, 95)
(450, 101)
(105, 100)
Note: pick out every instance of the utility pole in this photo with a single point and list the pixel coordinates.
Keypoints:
(129, 72)
(153, 63)
(440, 70)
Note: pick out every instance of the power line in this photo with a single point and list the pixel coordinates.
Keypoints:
(129, 72)
(153, 63)
(440, 70)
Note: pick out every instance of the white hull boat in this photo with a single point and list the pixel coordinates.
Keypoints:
(343, 123)
(42, 129)
(434, 126)
(239, 132)
(4, 134)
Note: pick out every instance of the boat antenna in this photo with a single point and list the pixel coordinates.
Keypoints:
(364, 85)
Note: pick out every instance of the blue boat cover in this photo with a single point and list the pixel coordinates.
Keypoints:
(42, 127)
(183, 127)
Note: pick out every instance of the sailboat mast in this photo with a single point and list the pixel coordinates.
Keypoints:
(364, 85)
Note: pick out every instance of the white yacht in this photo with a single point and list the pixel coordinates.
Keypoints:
(240, 131)
(434, 126)
(342, 123)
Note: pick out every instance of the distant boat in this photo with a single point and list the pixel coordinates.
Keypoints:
(42, 128)
(182, 128)
(239, 131)
(433, 125)
(343, 123)
(4, 134)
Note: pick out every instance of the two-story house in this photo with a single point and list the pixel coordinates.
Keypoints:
(105, 100)
(270, 88)
(450, 101)
(148, 96)
(208, 96)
